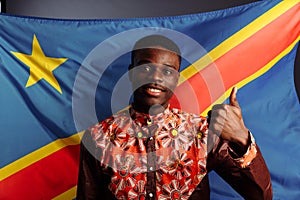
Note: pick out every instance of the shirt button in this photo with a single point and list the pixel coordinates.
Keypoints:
(140, 134)
(150, 194)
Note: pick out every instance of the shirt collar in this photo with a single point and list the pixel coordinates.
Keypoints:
(147, 119)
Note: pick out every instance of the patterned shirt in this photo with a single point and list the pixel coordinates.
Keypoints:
(154, 157)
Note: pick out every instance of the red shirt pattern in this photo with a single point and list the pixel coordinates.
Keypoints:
(162, 156)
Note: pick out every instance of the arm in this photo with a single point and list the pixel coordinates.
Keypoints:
(92, 183)
(251, 181)
(234, 155)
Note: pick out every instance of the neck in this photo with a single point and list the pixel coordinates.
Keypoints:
(151, 110)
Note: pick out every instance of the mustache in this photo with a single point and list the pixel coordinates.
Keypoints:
(145, 85)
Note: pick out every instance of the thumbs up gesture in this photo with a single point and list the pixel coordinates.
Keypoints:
(226, 120)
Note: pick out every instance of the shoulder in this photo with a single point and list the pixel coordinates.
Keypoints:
(191, 117)
(194, 121)
(116, 120)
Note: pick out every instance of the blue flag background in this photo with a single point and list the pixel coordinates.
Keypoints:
(45, 106)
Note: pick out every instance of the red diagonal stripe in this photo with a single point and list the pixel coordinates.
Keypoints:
(44, 179)
(57, 173)
(205, 87)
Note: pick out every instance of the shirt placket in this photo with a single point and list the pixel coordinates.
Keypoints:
(151, 160)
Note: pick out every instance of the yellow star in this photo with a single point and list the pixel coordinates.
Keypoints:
(41, 66)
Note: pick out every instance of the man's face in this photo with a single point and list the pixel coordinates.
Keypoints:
(154, 77)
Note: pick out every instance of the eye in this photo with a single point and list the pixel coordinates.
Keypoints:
(168, 71)
(146, 68)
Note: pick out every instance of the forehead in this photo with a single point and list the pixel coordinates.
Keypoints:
(155, 49)
(157, 54)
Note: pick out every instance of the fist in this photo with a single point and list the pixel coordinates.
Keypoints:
(226, 121)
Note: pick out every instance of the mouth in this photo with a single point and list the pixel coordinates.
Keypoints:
(153, 90)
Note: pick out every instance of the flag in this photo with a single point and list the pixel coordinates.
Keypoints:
(59, 76)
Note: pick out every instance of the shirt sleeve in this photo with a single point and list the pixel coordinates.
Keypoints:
(248, 175)
(245, 160)
(92, 182)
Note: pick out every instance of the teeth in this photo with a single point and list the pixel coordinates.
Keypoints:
(154, 90)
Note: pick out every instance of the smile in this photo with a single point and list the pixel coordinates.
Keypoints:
(154, 90)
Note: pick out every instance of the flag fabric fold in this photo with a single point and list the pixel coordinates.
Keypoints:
(59, 76)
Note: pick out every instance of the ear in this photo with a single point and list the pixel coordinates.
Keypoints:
(177, 78)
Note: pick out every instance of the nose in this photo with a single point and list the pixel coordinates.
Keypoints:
(157, 75)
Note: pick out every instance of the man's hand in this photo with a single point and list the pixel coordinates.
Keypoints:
(226, 120)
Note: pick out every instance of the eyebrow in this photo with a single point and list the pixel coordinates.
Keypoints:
(172, 66)
(147, 62)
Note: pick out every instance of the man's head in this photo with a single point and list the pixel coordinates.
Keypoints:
(154, 67)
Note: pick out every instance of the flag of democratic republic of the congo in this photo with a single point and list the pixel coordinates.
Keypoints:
(58, 77)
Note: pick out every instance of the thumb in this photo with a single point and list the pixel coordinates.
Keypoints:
(232, 98)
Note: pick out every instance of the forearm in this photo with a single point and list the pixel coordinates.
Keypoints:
(251, 180)
(92, 183)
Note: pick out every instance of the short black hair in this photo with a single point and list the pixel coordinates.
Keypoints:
(155, 40)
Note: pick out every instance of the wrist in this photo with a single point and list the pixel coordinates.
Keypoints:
(243, 139)
(245, 160)
(241, 146)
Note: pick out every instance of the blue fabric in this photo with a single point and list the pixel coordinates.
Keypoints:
(96, 50)
(271, 109)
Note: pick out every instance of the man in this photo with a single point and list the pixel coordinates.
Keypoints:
(153, 151)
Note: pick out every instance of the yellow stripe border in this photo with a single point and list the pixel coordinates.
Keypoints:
(69, 194)
(237, 38)
(39, 154)
(200, 64)
(214, 54)
(250, 78)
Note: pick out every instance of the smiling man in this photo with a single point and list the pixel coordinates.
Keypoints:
(152, 151)
(154, 74)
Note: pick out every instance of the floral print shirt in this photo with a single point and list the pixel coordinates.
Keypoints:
(153, 157)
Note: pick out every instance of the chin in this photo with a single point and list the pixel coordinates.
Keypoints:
(147, 101)
(148, 104)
